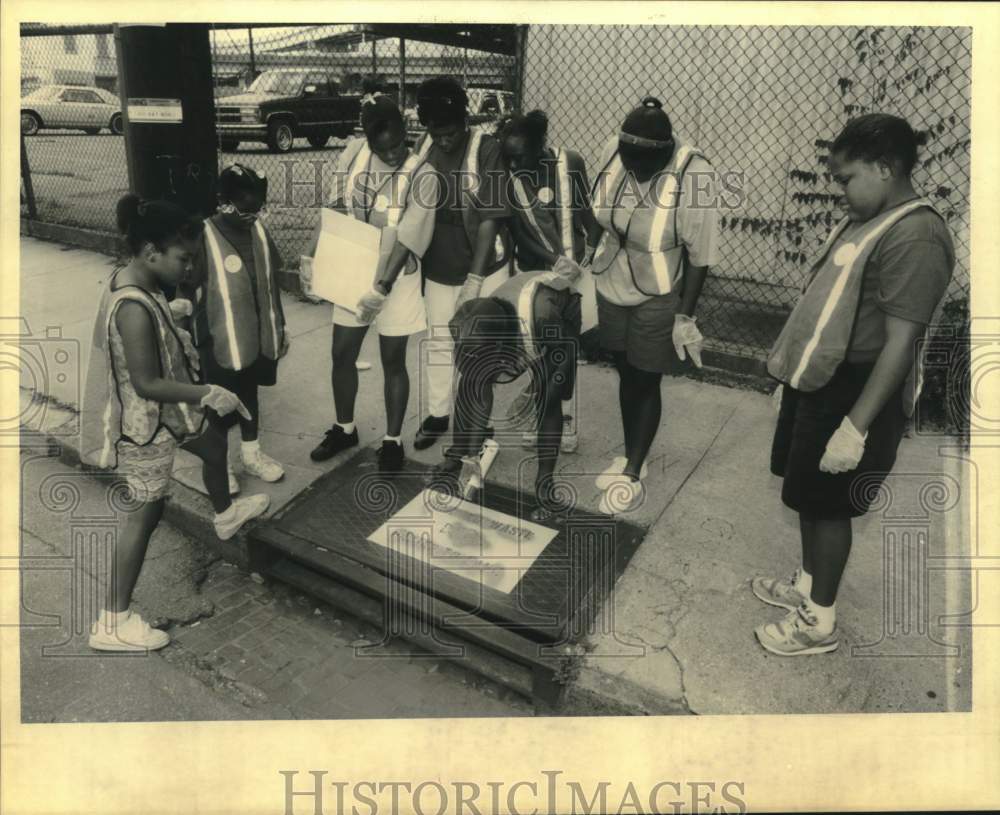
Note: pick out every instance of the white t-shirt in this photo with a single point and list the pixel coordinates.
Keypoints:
(697, 222)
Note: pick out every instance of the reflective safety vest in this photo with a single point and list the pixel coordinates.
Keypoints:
(102, 424)
(244, 325)
(554, 231)
(650, 241)
(472, 181)
(379, 199)
(817, 335)
(520, 292)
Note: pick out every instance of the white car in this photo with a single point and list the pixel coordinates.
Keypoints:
(70, 107)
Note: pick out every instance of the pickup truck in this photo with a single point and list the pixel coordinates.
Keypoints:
(285, 104)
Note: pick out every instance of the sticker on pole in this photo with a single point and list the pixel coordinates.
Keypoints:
(155, 111)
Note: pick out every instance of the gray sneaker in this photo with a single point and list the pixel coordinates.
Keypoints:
(776, 592)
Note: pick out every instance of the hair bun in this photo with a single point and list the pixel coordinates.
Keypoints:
(651, 102)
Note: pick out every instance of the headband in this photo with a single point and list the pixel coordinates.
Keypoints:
(639, 141)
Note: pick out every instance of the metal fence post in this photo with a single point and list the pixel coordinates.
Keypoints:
(402, 73)
(29, 190)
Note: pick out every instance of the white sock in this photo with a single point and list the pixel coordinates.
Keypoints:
(805, 583)
(249, 448)
(110, 619)
(826, 616)
(397, 439)
(347, 427)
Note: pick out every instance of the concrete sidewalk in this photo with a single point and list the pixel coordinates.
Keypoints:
(677, 636)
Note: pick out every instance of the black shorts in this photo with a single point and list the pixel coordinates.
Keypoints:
(806, 421)
(262, 372)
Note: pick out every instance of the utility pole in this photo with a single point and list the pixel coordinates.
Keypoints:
(253, 61)
(168, 102)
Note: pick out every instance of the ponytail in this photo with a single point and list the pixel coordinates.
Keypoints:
(160, 223)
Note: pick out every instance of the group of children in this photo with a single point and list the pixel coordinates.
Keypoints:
(486, 241)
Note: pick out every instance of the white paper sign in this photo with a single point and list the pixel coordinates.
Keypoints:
(155, 111)
(478, 543)
(346, 258)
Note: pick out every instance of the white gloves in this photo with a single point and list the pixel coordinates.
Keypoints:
(844, 450)
(470, 289)
(180, 307)
(777, 396)
(370, 305)
(224, 402)
(564, 267)
(687, 337)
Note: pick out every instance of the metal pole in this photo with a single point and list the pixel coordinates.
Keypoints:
(169, 156)
(253, 63)
(374, 58)
(402, 73)
(520, 57)
(29, 189)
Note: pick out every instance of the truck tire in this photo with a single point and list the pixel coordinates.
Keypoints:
(344, 131)
(31, 123)
(280, 135)
(116, 125)
(319, 140)
(228, 145)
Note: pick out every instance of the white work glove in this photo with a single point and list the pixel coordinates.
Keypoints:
(224, 402)
(588, 255)
(180, 308)
(286, 345)
(569, 269)
(844, 450)
(687, 338)
(470, 289)
(777, 396)
(370, 305)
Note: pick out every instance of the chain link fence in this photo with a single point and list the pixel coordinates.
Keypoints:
(763, 102)
(71, 125)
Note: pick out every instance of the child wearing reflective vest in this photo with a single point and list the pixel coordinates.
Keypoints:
(238, 322)
(471, 236)
(143, 399)
(551, 220)
(381, 182)
(531, 323)
(847, 358)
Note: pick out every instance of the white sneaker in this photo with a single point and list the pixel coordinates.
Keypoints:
(615, 469)
(623, 496)
(262, 466)
(240, 511)
(131, 634)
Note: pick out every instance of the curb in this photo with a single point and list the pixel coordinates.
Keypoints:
(588, 691)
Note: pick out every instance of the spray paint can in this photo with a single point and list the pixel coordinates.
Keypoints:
(485, 459)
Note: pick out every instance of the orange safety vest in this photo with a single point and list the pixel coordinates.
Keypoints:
(470, 170)
(241, 327)
(520, 292)
(816, 337)
(101, 411)
(379, 201)
(653, 250)
(554, 231)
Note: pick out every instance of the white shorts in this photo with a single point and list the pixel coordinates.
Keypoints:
(402, 314)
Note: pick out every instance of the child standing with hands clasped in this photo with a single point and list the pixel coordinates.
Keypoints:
(143, 399)
(238, 322)
(847, 360)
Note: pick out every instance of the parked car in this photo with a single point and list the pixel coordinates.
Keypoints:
(70, 107)
(486, 106)
(285, 104)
